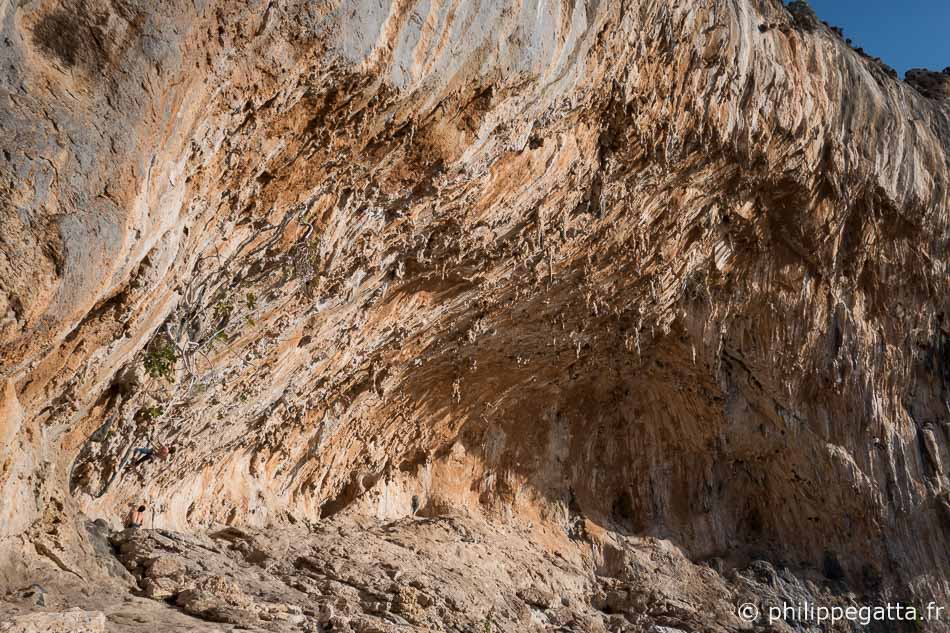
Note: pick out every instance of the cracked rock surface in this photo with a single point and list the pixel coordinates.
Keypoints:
(647, 297)
(444, 574)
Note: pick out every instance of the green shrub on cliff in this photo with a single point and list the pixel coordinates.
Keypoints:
(160, 359)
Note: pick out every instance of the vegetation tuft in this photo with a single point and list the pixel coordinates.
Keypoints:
(149, 413)
(160, 359)
(489, 621)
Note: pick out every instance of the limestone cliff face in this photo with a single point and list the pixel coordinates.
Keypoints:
(613, 269)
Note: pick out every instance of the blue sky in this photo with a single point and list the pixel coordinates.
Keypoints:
(903, 33)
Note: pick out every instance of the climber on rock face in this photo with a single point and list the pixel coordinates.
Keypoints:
(148, 453)
(136, 517)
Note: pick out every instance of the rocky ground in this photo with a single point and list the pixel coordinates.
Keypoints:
(420, 574)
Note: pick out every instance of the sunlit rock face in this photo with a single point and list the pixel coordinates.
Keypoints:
(605, 275)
